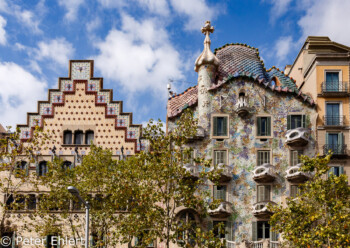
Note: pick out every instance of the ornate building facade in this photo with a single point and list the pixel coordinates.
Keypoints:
(254, 124)
(77, 114)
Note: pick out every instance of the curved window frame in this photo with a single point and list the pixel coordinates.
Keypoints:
(78, 137)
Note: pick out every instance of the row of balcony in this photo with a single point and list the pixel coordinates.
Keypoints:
(335, 89)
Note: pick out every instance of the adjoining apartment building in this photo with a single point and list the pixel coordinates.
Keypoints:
(79, 112)
(253, 124)
(321, 70)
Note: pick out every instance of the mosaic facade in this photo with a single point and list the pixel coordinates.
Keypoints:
(241, 91)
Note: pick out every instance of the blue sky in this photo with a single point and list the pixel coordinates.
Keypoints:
(139, 45)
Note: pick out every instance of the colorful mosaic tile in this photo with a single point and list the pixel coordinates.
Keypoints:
(131, 134)
(45, 109)
(57, 98)
(25, 133)
(80, 70)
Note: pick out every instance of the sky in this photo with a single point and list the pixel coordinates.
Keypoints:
(139, 46)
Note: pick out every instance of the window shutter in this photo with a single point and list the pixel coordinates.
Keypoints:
(295, 157)
(37, 169)
(215, 192)
(224, 156)
(293, 191)
(268, 125)
(327, 139)
(228, 231)
(27, 169)
(215, 126)
(254, 231)
(303, 121)
(289, 122)
(258, 126)
(261, 193)
(136, 241)
(267, 193)
(274, 236)
(341, 170)
(225, 126)
(340, 140)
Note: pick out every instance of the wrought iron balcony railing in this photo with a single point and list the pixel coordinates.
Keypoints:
(335, 87)
(334, 120)
(336, 149)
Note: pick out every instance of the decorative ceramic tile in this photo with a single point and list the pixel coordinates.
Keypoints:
(25, 133)
(131, 134)
(45, 109)
(121, 122)
(57, 97)
(80, 70)
(101, 99)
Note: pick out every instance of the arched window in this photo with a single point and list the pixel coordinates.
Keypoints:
(67, 165)
(67, 137)
(78, 137)
(187, 218)
(42, 168)
(89, 137)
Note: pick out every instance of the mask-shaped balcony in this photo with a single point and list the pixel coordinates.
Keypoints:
(242, 108)
(297, 137)
(260, 209)
(264, 173)
(294, 174)
(200, 134)
(192, 171)
(224, 210)
(225, 172)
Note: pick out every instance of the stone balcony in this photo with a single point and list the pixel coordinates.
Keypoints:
(260, 209)
(264, 173)
(294, 174)
(225, 172)
(297, 137)
(192, 170)
(224, 210)
(242, 108)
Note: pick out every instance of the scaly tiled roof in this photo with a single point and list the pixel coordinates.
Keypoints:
(178, 103)
(239, 60)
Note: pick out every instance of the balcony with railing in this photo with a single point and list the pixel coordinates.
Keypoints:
(231, 244)
(242, 107)
(264, 173)
(294, 174)
(225, 172)
(335, 89)
(265, 243)
(334, 120)
(192, 171)
(336, 149)
(261, 210)
(298, 137)
(223, 210)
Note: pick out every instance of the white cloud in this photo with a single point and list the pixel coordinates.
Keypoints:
(72, 7)
(27, 18)
(19, 94)
(282, 48)
(139, 56)
(2, 31)
(19, 46)
(56, 50)
(159, 7)
(93, 24)
(197, 12)
(279, 8)
(327, 18)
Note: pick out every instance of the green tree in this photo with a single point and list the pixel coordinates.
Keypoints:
(134, 200)
(320, 215)
(15, 158)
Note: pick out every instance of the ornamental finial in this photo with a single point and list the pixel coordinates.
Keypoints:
(207, 56)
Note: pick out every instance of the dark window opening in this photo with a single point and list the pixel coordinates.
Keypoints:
(78, 137)
(263, 230)
(264, 126)
(220, 126)
(89, 137)
(67, 137)
(42, 168)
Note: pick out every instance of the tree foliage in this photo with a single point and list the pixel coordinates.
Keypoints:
(320, 215)
(15, 158)
(135, 200)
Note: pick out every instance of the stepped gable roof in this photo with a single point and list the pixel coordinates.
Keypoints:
(240, 60)
(178, 103)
